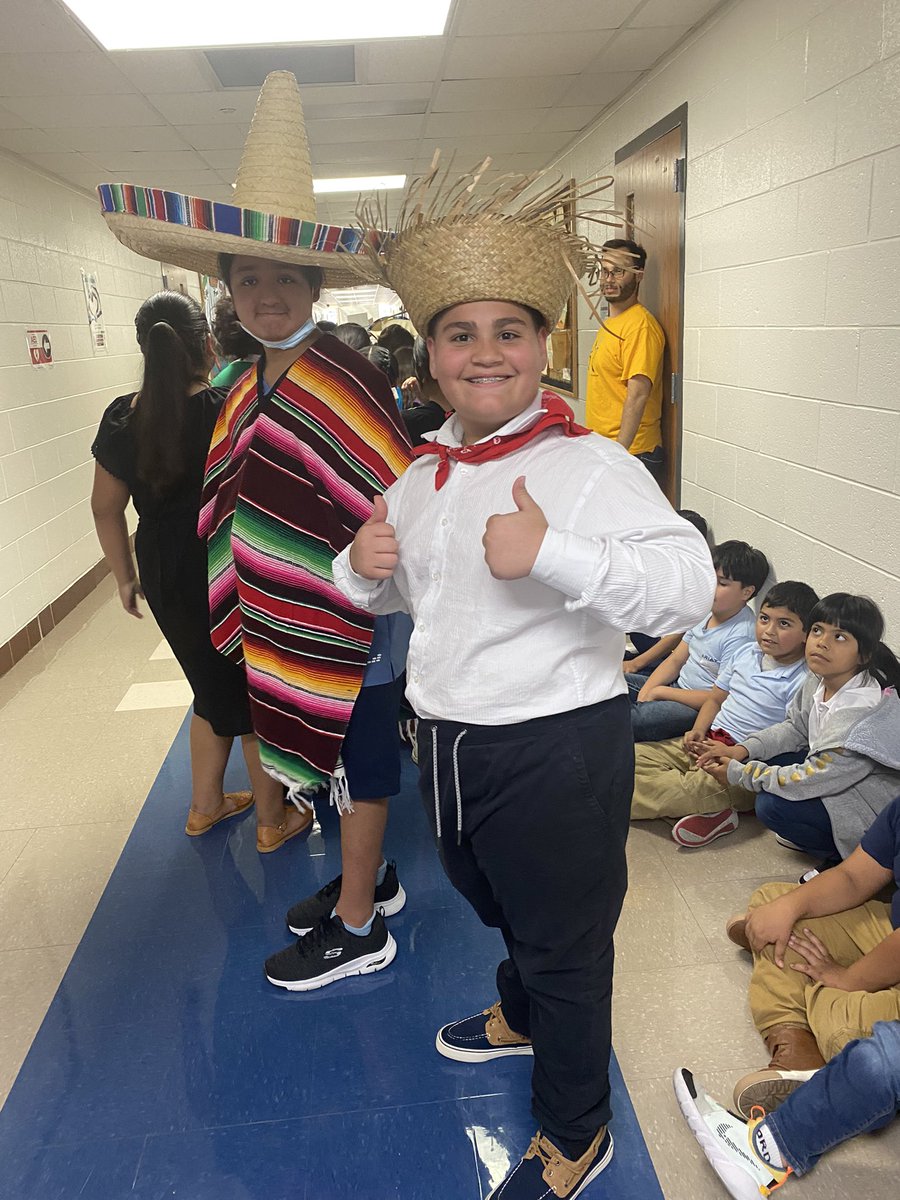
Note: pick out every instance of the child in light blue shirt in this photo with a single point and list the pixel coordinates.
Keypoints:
(666, 704)
(751, 692)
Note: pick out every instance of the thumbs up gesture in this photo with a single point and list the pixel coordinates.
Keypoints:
(512, 540)
(375, 552)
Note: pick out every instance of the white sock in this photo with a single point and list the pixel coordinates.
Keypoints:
(766, 1148)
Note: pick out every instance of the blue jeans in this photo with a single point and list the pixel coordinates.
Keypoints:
(857, 1092)
(656, 720)
(806, 823)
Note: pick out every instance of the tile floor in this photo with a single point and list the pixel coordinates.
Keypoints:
(164, 1095)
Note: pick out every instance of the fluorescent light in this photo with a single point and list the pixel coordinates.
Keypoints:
(370, 183)
(164, 24)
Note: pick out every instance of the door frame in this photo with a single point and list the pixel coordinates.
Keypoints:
(677, 118)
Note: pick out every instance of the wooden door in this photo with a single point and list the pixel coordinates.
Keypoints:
(649, 192)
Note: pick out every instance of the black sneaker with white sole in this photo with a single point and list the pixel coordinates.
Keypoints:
(328, 953)
(306, 914)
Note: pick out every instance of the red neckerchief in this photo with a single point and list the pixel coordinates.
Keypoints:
(556, 413)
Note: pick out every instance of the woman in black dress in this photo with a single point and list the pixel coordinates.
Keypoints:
(151, 448)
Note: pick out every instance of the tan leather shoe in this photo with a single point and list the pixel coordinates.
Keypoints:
(272, 837)
(736, 930)
(233, 803)
(795, 1058)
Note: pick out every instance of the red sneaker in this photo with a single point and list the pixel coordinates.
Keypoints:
(700, 829)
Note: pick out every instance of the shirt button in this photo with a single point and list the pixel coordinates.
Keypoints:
(435, 575)
(444, 521)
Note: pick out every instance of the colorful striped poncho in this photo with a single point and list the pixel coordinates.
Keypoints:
(289, 480)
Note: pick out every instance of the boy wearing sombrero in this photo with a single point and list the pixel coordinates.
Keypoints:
(303, 443)
(524, 547)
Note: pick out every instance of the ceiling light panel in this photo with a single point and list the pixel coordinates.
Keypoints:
(171, 23)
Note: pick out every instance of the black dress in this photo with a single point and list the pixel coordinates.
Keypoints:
(172, 558)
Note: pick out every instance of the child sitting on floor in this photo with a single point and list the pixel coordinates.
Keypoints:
(857, 1092)
(666, 704)
(842, 729)
(751, 692)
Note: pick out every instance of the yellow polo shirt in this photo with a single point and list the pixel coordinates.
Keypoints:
(632, 344)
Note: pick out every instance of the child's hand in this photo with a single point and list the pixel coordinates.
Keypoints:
(716, 767)
(128, 594)
(693, 741)
(512, 540)
(772, 924)
(375, 551)
(710, 750)
(816, 962)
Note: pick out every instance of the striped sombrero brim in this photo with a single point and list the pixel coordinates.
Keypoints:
(190, 232)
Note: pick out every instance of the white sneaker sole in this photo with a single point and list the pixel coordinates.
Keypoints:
(739, 1180)
(389, 908)
(359, 966)
(478, 1055)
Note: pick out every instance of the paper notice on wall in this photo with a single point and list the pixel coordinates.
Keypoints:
(94, 306)
(39, 348)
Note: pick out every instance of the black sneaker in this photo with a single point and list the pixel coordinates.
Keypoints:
(304, 916)
(328, 953)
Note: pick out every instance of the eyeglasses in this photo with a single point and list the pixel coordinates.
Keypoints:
(613, 272)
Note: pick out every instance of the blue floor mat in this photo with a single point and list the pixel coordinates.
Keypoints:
(168, 1067)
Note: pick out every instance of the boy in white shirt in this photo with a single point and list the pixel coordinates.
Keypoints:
(524, 547)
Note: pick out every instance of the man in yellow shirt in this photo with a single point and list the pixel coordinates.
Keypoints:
(624, 387)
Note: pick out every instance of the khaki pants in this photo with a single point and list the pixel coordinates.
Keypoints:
(783, 996)
(667, 784)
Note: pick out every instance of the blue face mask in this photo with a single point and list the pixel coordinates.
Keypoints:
(289, 342)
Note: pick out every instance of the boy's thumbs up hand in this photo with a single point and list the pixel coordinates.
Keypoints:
(375, 552)
(512, 540)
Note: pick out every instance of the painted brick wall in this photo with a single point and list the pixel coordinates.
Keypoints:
(48, 415)
(792, 301)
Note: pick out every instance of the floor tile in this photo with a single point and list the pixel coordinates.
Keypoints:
(12, 843)
(172, 693)
(163, 651)
(658, 929)
(87, 1171)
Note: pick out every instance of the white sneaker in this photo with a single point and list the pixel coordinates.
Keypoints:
(727, 1142)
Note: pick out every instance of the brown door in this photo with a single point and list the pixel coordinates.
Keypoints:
(654, 216)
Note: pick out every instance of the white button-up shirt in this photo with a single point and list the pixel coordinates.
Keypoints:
(615, 557)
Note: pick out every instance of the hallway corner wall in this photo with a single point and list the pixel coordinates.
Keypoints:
(49, 232)
(791, 361)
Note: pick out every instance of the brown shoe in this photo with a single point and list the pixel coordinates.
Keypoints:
(736, 930)
(795, 1058)
(272, 837)
(233, 803)
(544, 1171)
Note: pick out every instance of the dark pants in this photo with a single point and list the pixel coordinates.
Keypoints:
(806, 823)
(540, 855)
(655, 462)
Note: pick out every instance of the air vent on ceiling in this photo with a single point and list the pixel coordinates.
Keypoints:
(247, 66)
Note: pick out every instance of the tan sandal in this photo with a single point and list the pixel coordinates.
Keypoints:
(271, 837)
(232, 804)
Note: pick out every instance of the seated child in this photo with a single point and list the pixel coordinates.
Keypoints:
(751, 692)
(826, 963)
(857, 1092)
(846, 726)
(666, 704)
(648, 651)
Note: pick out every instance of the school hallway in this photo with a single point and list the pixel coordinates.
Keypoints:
(144, 1054)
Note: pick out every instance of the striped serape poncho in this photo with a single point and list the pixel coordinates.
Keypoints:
(289, 480)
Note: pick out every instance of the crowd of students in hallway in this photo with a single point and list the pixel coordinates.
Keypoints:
(523, 545)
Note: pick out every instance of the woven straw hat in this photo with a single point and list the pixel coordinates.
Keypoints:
(272, 213)
(453, 245)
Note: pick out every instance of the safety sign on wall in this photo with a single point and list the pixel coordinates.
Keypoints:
(94, 306)
(39, 348)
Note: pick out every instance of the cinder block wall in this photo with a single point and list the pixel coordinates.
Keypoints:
(792, 300)
(48, 415)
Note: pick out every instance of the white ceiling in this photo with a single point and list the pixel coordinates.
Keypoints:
(516, 79)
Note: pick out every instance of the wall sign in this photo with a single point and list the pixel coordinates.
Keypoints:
(94, 306)
(39, 348)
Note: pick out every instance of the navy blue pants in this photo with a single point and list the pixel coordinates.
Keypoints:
(806, 823)
(534, 838)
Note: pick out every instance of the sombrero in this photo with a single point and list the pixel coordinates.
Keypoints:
(453, 244)
(272, 214)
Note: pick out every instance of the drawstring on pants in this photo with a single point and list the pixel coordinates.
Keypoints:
(456, 784)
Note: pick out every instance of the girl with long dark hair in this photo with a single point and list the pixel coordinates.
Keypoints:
(151, 448)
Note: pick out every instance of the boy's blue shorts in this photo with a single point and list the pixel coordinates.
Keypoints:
(371, 748)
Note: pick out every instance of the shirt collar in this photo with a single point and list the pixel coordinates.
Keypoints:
(451, 432)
